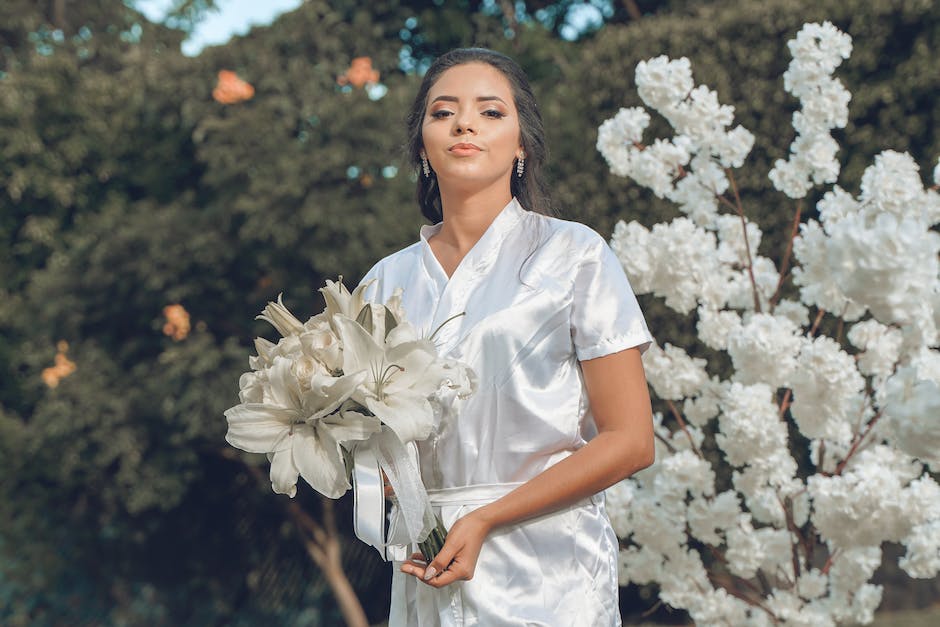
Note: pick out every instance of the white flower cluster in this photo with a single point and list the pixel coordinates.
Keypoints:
(332, 383)
(817, 51)
(690, 265)
(877, 253)
(867, 400)
(695, 156)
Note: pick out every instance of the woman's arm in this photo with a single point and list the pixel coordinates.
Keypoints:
(620, 403)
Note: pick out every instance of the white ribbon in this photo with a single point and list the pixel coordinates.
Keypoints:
(415, 519)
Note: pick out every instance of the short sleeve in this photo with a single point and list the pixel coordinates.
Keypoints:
(605, 315)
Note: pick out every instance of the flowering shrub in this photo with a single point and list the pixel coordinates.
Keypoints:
(781, 545)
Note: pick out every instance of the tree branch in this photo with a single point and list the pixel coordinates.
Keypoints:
(681, 421)
(322, 544)
(632, 9)
(785, 262)
(747, 247)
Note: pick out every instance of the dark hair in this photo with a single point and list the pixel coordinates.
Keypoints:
(530, 189)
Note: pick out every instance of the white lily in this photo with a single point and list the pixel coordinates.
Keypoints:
(300, 429)
(320, 342)
(281, 318)
(339, 300)
(399, 376)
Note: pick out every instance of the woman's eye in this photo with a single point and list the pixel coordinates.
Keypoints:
(441, 113)
(493, 113)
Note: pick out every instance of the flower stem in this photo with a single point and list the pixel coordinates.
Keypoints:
(433, 544)
(462, 313)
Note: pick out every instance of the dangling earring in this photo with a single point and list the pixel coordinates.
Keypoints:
(520, 166)
(425, 167)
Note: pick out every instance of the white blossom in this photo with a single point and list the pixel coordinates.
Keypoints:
(731, 246)
(682, 473)
(616, 137)
(662, 83)
(911, 405)
(888, 264)
(672, 373)
(765, 350)
(741, 284)
(734, 146)
(794, 311)
(880, 344)
(819, 285)
(715, 328)
(822, 45)
(709, 519)
(892, 184)
(817, 50)
(624, 128)
(699, 409)
(639, 565)
(695, 193)
(827, 390)
(812, 584)
(745, 552)
(750, 427)
(835, 205)
(717, 607)
(618, 501)
(922, 559)
(868, 503)
(790, 177)
(674, 260)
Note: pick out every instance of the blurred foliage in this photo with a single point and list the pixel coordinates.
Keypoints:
(124, 187)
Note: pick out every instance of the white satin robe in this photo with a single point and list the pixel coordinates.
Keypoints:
(524, 339)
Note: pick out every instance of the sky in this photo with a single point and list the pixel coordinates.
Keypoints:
(234, 17)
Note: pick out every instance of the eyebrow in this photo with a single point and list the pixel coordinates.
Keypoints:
(479, 99)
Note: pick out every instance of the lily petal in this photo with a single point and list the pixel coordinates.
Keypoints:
(258, 428)
(350, 426)
(284, 387)
(415, 359)
(360, 350)
(284, 473)
(281, 318)
(409, 415)
(320, 461)
(328, 393)
(403, 332)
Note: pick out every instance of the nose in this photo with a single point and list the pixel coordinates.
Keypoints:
(462, 123)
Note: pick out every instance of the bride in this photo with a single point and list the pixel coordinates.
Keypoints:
(552, 328)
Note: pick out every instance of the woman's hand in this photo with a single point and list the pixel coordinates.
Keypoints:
(457, 559)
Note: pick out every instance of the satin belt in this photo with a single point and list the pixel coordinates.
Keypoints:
(453, 498)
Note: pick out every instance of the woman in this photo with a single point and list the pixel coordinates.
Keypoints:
(552, 329)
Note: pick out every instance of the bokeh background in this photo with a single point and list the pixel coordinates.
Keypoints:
(150, 207)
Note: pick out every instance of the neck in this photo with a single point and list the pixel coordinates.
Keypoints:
(467, 214)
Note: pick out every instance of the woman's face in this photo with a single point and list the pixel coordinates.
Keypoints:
(471, 128)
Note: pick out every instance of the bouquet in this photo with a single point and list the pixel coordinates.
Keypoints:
(347, 394)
